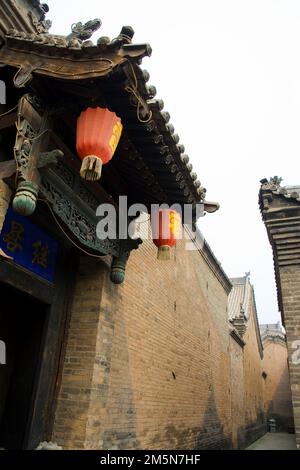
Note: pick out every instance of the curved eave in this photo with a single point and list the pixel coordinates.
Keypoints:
(59, 58)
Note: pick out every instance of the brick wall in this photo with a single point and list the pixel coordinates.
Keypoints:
(255, 424)
(237, 394)
(86, 363)
(277, 394)
(147, 363)
(290, 291)
(280, 210)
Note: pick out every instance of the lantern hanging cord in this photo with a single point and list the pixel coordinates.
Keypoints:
(9, 111)
(32, 139)
(139, 104)
(66, 235)
(134, 90)
(134, 76)
(120, 37)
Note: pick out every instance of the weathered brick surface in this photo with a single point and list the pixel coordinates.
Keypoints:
(255, 423)
(150, 363)
(237, 395)
(86, 365)
(277, 389)
(290, 290)
(147, 363)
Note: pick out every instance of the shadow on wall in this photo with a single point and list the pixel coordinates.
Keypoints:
(208, 436)
(251, 431)
(241, 438)
(85, 417)
(255, 429)
(281, 407)
(120, 427)
(211, 435)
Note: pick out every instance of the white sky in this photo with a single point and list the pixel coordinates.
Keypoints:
(229, 74)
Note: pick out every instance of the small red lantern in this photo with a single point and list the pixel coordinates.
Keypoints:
(165, 228)
(98, 134)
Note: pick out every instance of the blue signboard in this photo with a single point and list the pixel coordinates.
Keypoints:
(28, 245)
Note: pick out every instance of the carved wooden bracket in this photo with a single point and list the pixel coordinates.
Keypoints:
(32, 128)
(118, 266)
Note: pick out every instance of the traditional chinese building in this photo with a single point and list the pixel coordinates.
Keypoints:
(280, 209)
(93, 361)
(58, 276)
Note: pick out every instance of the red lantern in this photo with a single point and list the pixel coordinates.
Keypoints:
(98, 134)
(165, 228)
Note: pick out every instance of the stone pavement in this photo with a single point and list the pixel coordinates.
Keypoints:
(274, 441)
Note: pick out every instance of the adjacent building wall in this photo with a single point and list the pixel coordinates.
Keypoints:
(255, 423)
(237, 391)
(155, 363)
(246, 368)
(280, 208)
(290, 289)
(278, 399)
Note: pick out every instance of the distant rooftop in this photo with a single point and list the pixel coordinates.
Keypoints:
(271, 326)
(274, 185)
(239, 296)
(241, 306)
(272, 331)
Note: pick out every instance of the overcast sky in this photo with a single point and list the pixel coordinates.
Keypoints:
(229, 74)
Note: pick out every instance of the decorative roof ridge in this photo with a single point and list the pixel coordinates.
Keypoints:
(271, 335)
(268, 330)
(45, 42)
(205, 250)
(273, 185)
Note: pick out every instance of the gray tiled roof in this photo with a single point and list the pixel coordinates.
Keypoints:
(292, 191)
(271, 331)
(241, 306)
(238, 300)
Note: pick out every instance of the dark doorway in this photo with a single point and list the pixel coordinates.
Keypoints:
(22, 322)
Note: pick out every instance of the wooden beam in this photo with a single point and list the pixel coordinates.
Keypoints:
(8, 120)
(20, 278)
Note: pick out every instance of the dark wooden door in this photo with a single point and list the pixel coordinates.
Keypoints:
(33, 316)
(22, 320)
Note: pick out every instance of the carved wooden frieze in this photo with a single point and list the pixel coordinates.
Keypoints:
(77, 210)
